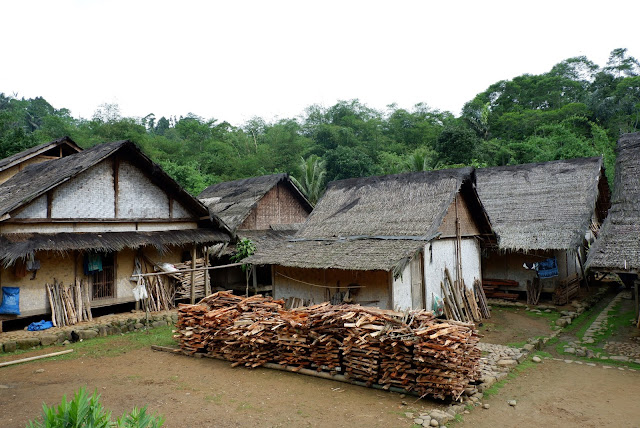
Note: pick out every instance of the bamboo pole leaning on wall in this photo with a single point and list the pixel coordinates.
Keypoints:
(69, 304)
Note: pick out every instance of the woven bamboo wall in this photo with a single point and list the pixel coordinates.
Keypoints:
(374, 293)
(89, 195)
(180, 211)
(278, 206)
(92, 195)
(36, 209)
(138, 197)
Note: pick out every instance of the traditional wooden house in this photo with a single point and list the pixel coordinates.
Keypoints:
(544, 215)
(264, 209)
(103, 207)
(617, 249)
(383, 241)
(56, 149)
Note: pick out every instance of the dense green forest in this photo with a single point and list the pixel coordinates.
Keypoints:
(576, 109)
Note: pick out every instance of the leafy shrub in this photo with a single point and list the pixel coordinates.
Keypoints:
(87, 412)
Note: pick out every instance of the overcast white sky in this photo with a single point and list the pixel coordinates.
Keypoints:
(232, 60)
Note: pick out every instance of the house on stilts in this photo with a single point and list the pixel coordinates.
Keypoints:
(617, 249)
(383, 241)
(92, 216)
(544, 216)
(265, 210)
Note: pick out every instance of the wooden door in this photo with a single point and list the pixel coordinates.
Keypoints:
(417, 283)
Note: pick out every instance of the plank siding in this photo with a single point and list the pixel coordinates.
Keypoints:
(277, 206)
(468, 225)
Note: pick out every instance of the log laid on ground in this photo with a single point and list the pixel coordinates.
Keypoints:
(37, 357)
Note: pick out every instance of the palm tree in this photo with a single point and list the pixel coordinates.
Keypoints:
(311, 183)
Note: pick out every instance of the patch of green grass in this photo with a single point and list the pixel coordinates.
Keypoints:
(560, 345)
(552, 341)
(517, 344)
(112, 346)
(214, 399)
(543, 354)
(493, 390)
(582, 322)
(244, 406)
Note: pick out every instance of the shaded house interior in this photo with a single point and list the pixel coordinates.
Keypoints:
(542, 214)
(383, 241)
(265, 210)
(617, 249)
(88, 217)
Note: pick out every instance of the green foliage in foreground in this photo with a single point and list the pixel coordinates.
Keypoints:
(87, 412)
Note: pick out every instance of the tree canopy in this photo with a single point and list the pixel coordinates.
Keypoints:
(575, 109)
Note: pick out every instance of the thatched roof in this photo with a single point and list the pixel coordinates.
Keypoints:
(35, 180)
(233, 201)
(542, 206)
(357, 254)
(66, 144)
(19, 245)
(373, 223)
(412, 204)
(618, 246)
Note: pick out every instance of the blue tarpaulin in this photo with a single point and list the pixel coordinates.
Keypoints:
(548, 268)
(40, 325)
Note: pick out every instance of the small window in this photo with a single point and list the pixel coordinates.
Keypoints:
(100, 269)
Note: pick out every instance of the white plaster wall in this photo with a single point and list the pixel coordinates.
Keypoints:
(36, 209)
(138, 197)
(443, 254)
(567, 264)
(89, 195)
(402, 290)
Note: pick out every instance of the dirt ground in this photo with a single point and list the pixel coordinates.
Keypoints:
(511, 325)
(555, 393)
(192, 392)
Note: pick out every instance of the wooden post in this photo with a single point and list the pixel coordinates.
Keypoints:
(636, 285)
(274, 268)
(254, 271)
(458, 243)
(390, 303)
(193, 275)
(207, 284)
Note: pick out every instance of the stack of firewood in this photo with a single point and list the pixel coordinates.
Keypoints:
(412, 351)
(396, 363)
(446, 358)
(192, 330)
(183, 286)
(69, 304)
